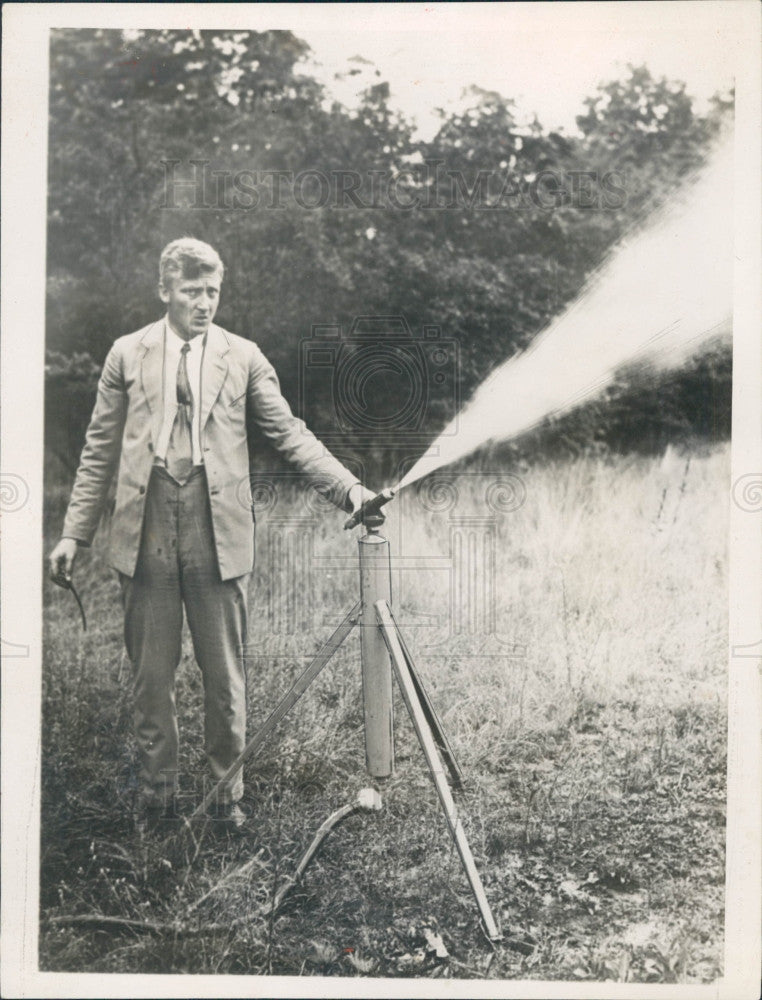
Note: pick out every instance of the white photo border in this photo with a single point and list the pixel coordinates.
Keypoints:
(24, 183)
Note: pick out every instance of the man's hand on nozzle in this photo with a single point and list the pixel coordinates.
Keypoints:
(61, 561)
(358, 495)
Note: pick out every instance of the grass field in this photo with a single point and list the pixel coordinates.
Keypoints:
(589, 719)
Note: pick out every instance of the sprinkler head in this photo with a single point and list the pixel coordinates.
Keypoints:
(369, 513)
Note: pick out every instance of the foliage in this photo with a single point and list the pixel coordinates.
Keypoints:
(502, 231)
(642, 411)
(70, 384)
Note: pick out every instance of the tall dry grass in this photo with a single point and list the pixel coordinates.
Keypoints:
(589, 718)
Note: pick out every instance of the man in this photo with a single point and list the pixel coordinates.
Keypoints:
(174, 406)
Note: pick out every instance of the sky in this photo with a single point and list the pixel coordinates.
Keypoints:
(547, 57)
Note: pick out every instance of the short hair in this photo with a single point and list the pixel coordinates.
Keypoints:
(188, 258)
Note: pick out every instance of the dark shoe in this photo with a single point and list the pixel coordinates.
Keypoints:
(229, 817)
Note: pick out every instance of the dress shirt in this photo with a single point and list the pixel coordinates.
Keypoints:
(172, 347)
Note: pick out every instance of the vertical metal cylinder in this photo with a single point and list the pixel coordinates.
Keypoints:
(375, 586)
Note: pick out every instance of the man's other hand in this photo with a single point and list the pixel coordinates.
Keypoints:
(61, 561)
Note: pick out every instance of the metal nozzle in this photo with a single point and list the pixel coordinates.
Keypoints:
(371, 510)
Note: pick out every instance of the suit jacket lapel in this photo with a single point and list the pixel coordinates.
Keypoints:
(152, 374)
(214, 369)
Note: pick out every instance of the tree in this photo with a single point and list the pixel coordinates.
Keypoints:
(323, 215)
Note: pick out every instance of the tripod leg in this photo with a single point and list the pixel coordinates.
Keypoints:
(428, 745)
(456, 775)
(286, 703)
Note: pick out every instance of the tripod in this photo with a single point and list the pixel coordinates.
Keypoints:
(383, 649)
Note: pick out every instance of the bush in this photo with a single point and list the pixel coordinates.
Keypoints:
(70, 387)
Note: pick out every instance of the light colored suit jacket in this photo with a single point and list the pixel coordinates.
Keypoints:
(238, 386)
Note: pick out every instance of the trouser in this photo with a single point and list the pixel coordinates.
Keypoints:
(176, 567)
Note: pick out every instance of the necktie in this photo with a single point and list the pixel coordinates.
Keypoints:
(180, 448)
